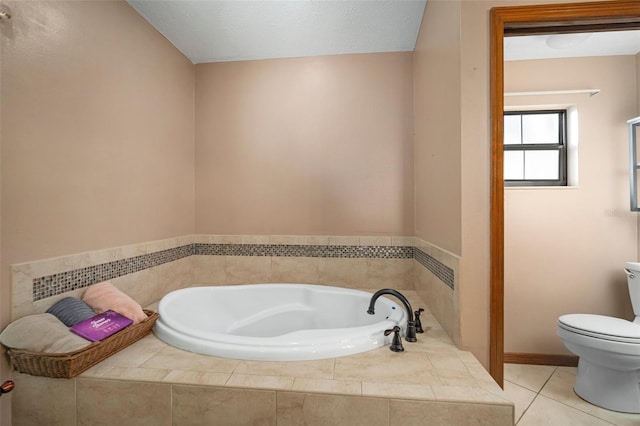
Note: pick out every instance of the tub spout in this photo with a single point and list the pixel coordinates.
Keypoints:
(410, 335)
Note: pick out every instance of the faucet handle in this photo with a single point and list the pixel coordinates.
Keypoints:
(396, 343)
(7, 387)
(418, 322)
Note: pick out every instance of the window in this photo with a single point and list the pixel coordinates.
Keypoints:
(535, 148)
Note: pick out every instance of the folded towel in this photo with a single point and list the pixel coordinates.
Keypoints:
(104, 296)
(71, 311)
(41, 333)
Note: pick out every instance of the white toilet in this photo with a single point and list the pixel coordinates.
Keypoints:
(609, 351)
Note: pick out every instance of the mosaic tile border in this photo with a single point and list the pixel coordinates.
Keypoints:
(438, 268)
(63, 282)
(299, 250)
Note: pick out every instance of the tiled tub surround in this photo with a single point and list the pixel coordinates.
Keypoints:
(150, 270)
(432, 382)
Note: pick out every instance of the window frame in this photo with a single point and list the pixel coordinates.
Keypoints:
(561, 147)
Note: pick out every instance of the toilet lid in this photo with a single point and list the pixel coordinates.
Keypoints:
(602, 327)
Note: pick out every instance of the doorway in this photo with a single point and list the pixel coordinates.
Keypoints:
(530, 20)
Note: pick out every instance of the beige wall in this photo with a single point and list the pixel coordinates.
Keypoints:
(97, 135)
(565, 247)
(319, 145)
(437, 118)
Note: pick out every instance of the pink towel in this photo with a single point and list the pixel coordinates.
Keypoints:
(104, 296)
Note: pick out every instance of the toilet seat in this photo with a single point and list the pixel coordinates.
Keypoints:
(601, 327)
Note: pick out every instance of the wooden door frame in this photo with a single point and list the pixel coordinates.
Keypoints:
(529, 20)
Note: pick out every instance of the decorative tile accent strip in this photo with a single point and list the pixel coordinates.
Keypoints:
(371, 252)
(438, 268)
(62, 282)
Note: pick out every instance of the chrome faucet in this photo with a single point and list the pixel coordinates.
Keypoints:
(410, 335)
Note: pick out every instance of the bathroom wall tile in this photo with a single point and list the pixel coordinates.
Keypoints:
(284, 239)
(403, 241)
(223, 406)
(318, 369)
(409, 413)
(423, 245)
(375, 241)
(439, 298)
(314, 240)
(296, 409)
(150, 285)
(342, 387)
(247, 269)
(171, 358)
(350, 273)
(344, 241)
(254, 381)
(397, 390)
(255, 239)
(390, 273)
(303, 270)
(196, 378)
(109, 402)
(43, 401)
(209, 270)
(21, 289)
(226, 239)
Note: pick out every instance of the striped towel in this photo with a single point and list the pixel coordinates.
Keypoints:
(71, 311)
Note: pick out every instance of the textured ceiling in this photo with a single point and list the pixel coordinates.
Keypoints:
(236, 30)
(572, 45)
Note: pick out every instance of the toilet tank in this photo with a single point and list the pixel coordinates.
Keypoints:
(633, 280)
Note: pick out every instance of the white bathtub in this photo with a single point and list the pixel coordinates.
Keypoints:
(275, 322)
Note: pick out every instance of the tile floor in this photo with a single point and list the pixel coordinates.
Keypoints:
(543, 395)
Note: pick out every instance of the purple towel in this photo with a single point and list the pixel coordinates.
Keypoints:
(71, 311)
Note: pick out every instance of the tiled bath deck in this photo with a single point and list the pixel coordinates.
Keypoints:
(151, 383)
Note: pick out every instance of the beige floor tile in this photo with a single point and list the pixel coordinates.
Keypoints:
(136, 374)
(397, 390)
(547, 412)
(521, 397)
(344, 387)
(196, 378)
(171, 358)
(97, 370)
(467, 394)
(384, 366)
(260, 382)
(319, 369)
(560, 388)
(532, 377)
(136, 354)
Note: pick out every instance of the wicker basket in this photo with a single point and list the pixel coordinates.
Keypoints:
(71, 364)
